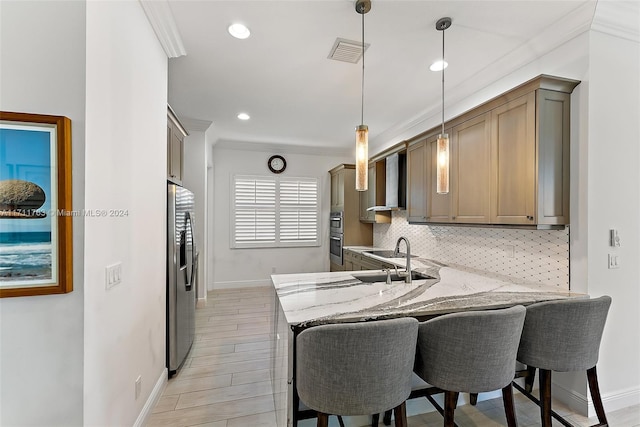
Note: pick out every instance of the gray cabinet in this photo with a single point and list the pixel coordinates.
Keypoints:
(509, 161)
(175, 147)
(354, 261)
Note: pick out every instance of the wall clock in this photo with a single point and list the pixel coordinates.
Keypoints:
(277, 164)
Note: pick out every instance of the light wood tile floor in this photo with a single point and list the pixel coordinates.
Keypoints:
(225, 380)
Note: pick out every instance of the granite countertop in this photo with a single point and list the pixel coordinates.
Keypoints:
(310, 299)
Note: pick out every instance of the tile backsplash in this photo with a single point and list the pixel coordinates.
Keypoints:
(535, 255)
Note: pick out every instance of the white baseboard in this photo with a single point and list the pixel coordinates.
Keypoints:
(576, 401)
(201, 302)
(584, 406)
(621, 399)
(152, 400)
(240, 284)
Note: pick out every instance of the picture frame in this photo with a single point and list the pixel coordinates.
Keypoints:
(36, 241)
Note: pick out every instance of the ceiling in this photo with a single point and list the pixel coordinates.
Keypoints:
(297, 97)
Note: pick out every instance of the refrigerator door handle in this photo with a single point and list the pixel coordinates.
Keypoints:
(189, 281)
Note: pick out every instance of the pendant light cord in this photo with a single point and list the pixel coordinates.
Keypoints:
(443, 67)
(362, 89)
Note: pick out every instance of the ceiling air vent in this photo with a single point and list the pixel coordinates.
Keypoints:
(347, 50)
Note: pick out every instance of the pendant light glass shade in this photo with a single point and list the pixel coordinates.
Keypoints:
(442, 153)
(362, 157)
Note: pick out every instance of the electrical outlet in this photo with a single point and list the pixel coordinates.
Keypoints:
(273, 270)
(112, 275)
(614, 261)
(138, 386)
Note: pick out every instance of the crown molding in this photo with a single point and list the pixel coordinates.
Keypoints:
(195, 125)
(161, 19)
(618, 18)
(285, 148)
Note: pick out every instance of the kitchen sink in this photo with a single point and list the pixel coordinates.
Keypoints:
(388, 254)
(382, 277)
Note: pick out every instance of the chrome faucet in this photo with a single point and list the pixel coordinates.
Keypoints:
(406, 274)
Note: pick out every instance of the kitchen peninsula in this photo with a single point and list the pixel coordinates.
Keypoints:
(310, 299)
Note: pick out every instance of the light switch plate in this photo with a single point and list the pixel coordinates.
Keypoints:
(113, 275)
(614, 238)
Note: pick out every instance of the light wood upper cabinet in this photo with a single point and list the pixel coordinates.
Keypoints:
(424, 204)
(553, 121)
(337, 189)
(470, 170)
(345, 198)
(175, 147)
(509, 161)
(417, 159)
(513, 146)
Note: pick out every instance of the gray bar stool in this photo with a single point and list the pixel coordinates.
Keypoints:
(471, 352)
(356, 368)
(563, 336)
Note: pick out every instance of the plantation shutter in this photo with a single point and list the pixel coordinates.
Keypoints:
(274, 212)
(299, 211)
(255, 211)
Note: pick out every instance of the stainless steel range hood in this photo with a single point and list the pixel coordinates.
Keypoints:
(395, 183)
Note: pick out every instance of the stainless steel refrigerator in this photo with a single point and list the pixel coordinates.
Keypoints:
(182, 268)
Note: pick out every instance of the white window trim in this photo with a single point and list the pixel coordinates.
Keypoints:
(276, 243)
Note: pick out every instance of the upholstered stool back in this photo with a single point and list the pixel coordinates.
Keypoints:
(356, 368)
(563, 335)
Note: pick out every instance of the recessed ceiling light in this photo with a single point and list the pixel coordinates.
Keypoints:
(239, 31)
(439, 65)
(244, 116)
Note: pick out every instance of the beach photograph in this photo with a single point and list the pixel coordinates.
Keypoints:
(27, 206)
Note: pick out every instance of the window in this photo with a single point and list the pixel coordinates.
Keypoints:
(274, 212)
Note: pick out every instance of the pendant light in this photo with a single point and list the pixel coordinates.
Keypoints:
(362, 131)
(442, 168)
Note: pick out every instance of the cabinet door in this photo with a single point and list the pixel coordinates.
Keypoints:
(176, 144)
(553, 117)
(368, 198)
(513, 187)
(438, 205)
(169, 151)
(417, 182)
(337, 190)
(334, 190)
(470, 171)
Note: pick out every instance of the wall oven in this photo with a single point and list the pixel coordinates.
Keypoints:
(336, 222)
(335, 248)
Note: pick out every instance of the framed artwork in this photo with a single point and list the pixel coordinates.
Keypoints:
(36, 250)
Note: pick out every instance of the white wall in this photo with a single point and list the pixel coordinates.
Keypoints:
(195, 179)
(126, 104)
(42, 69)
(253, 267)
(614, 202)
